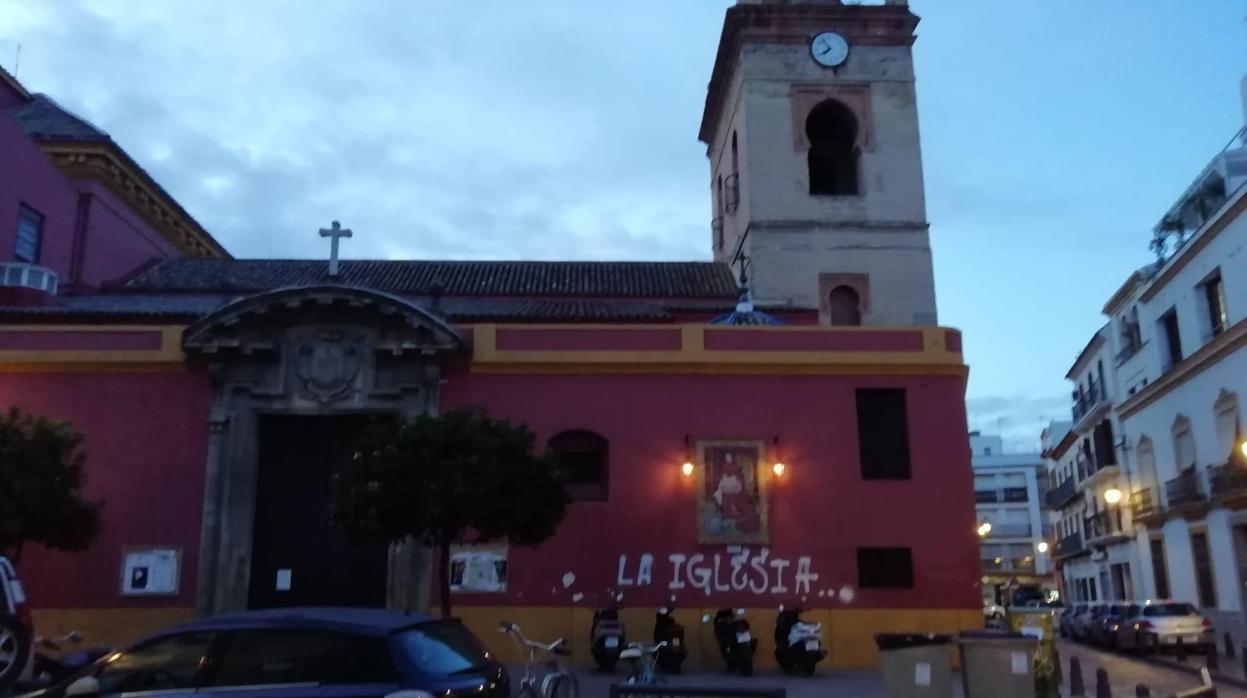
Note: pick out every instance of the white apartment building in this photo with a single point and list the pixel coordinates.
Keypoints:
(1174, 355)
(1089, 483)
(1009, 491)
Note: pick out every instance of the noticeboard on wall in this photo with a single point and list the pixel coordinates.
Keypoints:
(150, 571)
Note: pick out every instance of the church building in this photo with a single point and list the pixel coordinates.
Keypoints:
(783, 424)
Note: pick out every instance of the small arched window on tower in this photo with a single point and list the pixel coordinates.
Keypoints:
(846, 306)
(832, 132)
(583, 459)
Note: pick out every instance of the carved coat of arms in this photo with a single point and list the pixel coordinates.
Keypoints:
(327, 362)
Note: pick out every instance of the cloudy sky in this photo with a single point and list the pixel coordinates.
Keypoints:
(1055, 134)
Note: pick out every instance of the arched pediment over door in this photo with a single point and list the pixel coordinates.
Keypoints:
(319, 352)
(323, 344)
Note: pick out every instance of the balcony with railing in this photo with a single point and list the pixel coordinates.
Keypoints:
(1062, 494)
(1104, 527)
(1070, 545)
(1008, 565)
(1227, 484)
(1010, 531)
(1088, 401)
(1008, 495)
(1184, 493)
(1145, 506)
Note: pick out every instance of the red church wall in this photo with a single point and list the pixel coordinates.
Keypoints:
(29, 177)
(820, 509)
(117, 240)
(145, 436)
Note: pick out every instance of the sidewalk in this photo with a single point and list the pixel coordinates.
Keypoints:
(1163, 676)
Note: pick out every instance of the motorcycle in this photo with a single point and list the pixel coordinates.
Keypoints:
(736, 643)
(53, 663)
(798, 645)
(606, 638)
(672, 655)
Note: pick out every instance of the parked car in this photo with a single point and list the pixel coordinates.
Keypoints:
(1105, 630)
(16, 631)
(299, 653)
(1162, 623)
(1081, 626)
(1065, 623)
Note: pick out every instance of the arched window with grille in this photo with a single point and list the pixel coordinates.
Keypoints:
(845, 305)
(831, 129)
(584, 459)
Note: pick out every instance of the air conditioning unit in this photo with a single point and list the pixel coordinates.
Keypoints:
(32, 276)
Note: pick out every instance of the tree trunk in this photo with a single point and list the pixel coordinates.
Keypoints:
(443, 577)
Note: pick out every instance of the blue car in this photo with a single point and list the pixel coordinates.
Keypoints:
(299, 653)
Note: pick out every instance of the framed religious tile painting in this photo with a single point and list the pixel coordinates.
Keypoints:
(731, 493)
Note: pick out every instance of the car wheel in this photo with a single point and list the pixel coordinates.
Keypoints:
(14, 651)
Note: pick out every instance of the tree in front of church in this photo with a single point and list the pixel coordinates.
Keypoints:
(459, 477)
(41, 478)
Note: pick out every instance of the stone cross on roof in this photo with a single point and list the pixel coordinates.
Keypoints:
(335, 233)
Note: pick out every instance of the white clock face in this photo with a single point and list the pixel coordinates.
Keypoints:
(829, 49)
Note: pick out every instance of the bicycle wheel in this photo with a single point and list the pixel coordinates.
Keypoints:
(563, 686)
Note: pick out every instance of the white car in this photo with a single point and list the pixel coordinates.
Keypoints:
(1159, 624)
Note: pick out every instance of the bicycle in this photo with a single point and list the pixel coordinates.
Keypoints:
(644, 658)
(558, 682)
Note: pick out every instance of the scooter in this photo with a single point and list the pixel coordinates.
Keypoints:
(798, 645)
(606, 638)
(671, 655)
(736, 644)
(53, 664)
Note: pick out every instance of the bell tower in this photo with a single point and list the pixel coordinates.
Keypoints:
(811, 127)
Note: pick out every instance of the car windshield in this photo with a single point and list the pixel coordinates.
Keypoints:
(1169, 610)
(442, 648)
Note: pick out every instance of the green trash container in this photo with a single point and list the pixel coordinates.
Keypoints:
(916, 666)
(998, 664)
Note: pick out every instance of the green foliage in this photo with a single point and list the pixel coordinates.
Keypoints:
(41, 476)
(457, 477)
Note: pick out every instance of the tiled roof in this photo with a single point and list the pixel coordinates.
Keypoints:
(190, 306)
(620, 280)
(43, 118)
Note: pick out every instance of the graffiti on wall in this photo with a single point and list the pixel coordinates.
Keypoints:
(737, 569)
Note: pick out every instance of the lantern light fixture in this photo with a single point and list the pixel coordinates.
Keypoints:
(1042, 547)
(984, 529)
(1112, 495)
(687, 468)
(779, 468)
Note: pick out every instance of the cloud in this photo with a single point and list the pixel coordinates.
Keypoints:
(1018, 419)
(432, 129)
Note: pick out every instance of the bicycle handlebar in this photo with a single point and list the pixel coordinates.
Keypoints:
(513, 629)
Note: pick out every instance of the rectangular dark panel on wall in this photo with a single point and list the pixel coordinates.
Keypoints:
(883, 433)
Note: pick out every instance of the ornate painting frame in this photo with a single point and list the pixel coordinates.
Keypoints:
(732, 499)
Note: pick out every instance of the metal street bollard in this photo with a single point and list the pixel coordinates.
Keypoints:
(1102, 689)
(1229, 646)
(1075, 678)
(1181, 650)
(1141, 691)
(1214, 661)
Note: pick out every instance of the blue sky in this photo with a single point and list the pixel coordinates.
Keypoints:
(1055, 134)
